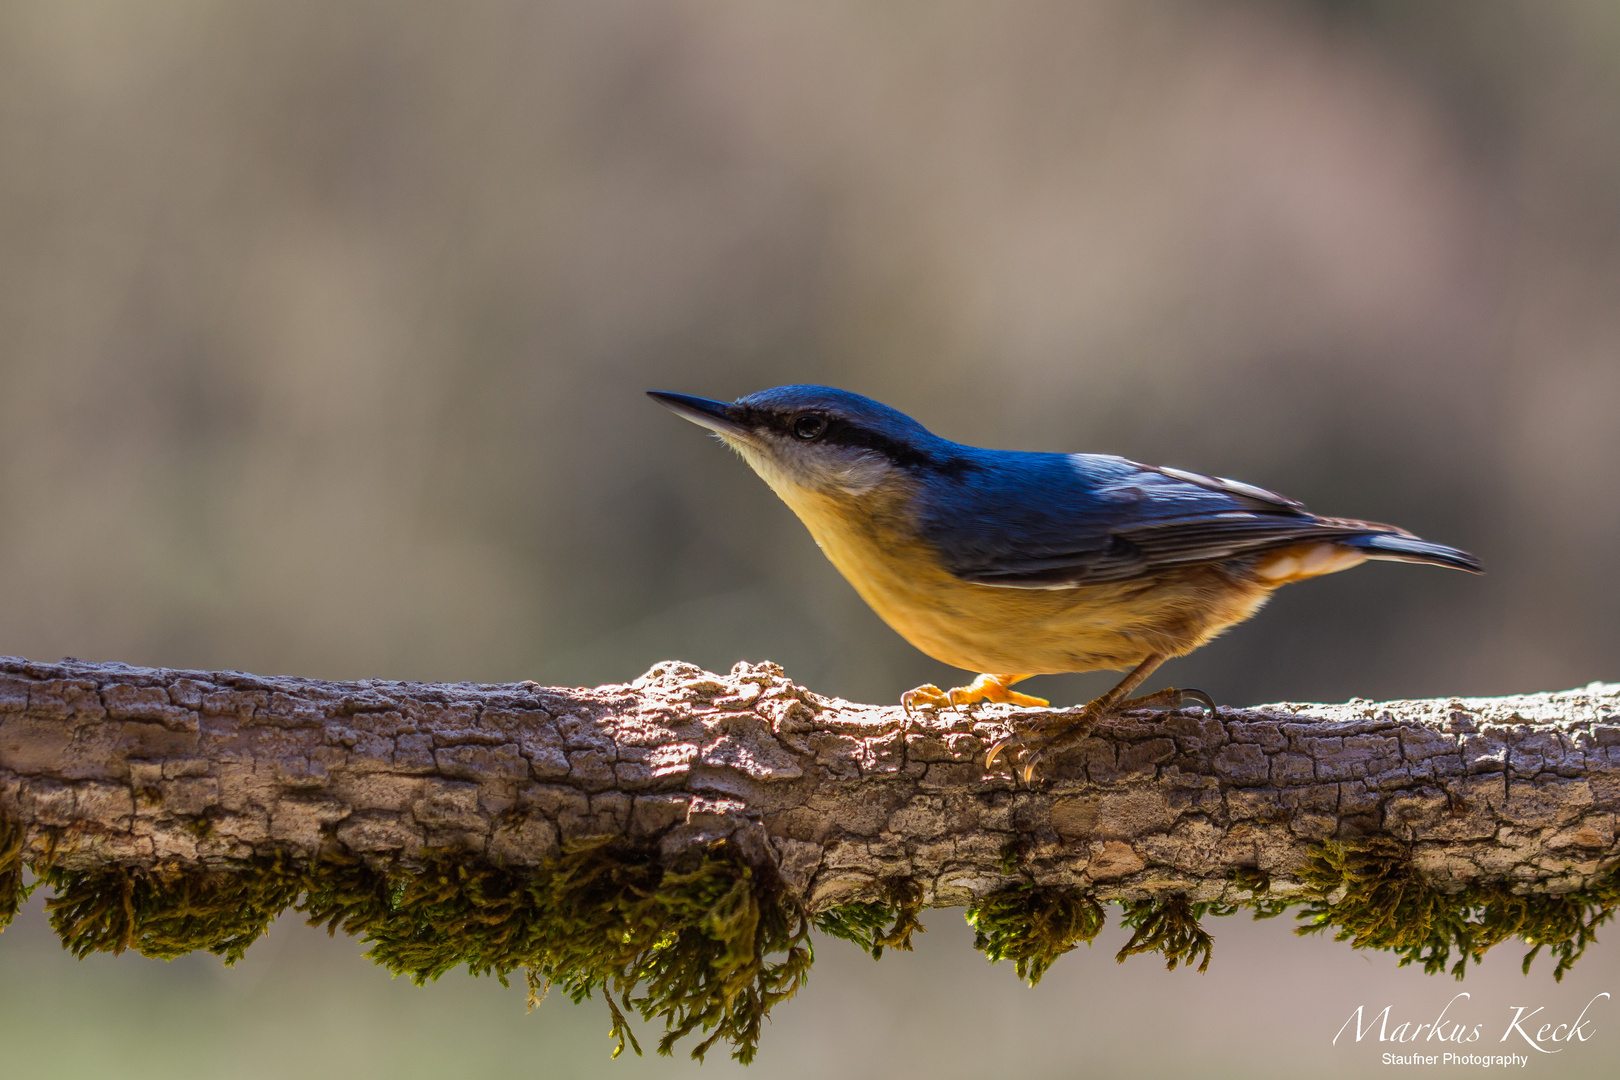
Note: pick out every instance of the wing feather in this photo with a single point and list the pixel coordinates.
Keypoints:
(1053, 521)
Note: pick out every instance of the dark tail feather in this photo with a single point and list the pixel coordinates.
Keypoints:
(1411, 549)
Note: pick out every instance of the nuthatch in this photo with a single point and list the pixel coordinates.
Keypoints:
(1017, 564)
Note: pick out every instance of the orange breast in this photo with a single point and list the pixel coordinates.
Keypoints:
(987, 628)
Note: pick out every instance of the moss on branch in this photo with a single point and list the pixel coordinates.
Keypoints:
(1033, 926)
(12, 890)
(1371, 895)
(1368, 892)
(707, 946)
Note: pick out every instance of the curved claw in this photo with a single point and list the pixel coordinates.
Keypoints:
(1014, 743)
(927, 695)
(998, 746)
(1202, 698)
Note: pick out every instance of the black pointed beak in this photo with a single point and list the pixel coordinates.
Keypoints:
(717, 416)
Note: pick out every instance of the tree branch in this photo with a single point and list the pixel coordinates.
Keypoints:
(109, 765)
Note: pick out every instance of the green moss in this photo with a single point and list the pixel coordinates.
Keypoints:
(1368, 892)
(1170, 927)
(1013, 854)
(706, 947)
(1260, 903)
(1033, 926)
(1251, 878)
(165, 915)
(12, 890)
(1380, 901)
(864, 922)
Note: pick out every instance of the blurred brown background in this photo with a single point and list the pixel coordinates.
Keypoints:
(325, 327)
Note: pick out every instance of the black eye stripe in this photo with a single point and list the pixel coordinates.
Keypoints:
(844, 433)
(839, 431)
(809, 426)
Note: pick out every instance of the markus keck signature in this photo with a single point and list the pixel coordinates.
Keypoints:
(1528, 1025)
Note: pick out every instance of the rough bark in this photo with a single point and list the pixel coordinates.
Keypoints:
(109, 764)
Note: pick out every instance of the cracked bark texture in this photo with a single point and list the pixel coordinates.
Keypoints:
(106, 763)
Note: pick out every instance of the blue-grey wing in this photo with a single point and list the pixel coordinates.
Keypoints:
(1059, 520)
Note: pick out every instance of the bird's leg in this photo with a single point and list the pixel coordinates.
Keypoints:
(984, 688)
(1027, 749)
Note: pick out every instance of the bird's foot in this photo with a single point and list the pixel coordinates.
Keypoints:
(1028, 749)
(1168, 698)
(984, 688)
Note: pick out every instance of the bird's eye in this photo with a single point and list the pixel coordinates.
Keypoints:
(809, 426)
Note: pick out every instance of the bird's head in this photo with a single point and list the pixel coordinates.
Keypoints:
(813, 438)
